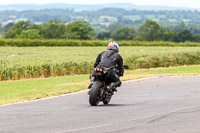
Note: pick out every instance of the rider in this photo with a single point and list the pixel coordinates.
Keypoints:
(110, 59)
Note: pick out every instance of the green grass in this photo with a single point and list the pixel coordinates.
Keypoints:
(14, 91)
(173, 70)
(25, 90)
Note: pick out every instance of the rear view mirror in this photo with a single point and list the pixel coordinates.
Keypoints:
(125, 67)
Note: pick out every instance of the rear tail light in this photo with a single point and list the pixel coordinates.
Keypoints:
(99, 70)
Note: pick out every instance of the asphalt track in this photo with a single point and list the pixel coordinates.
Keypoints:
(155, 105)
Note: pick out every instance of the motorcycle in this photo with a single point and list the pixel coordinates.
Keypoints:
(100, 90)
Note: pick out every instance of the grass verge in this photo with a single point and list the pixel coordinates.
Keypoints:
(26, 90)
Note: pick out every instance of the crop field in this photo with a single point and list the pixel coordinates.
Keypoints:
(34, 62)
(41, 55)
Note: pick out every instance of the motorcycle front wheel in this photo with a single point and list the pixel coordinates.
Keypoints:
(107, 99)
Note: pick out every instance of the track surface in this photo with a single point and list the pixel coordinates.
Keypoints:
(157, 105)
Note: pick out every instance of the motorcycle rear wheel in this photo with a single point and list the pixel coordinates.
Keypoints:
(94, 97)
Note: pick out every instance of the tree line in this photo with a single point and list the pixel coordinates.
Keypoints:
(54, 29)
(82, 30)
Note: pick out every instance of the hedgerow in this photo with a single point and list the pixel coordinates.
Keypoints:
(54, 42)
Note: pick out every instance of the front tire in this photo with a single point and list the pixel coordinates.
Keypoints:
(94, 97)
(107, 99)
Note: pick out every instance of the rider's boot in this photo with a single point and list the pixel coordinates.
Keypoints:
(113, 86)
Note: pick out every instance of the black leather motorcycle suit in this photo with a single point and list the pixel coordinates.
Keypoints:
(111, 59)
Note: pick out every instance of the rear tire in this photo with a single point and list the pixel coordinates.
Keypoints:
(94, 97)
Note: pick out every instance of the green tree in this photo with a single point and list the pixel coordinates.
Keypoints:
(1, 31)
(138, 37)
(196, 38)
(9, 26)
(17, 29)
(1, 27)
(103, 36)
(80, 30)
(29, 34)
(151, 31)
(183, 35)
(124, 33)
(53, 29)
(169, 36)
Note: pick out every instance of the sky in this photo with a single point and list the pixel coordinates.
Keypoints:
(174, 3)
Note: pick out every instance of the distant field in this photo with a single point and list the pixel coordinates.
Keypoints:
(34, 62)
(41, 55)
